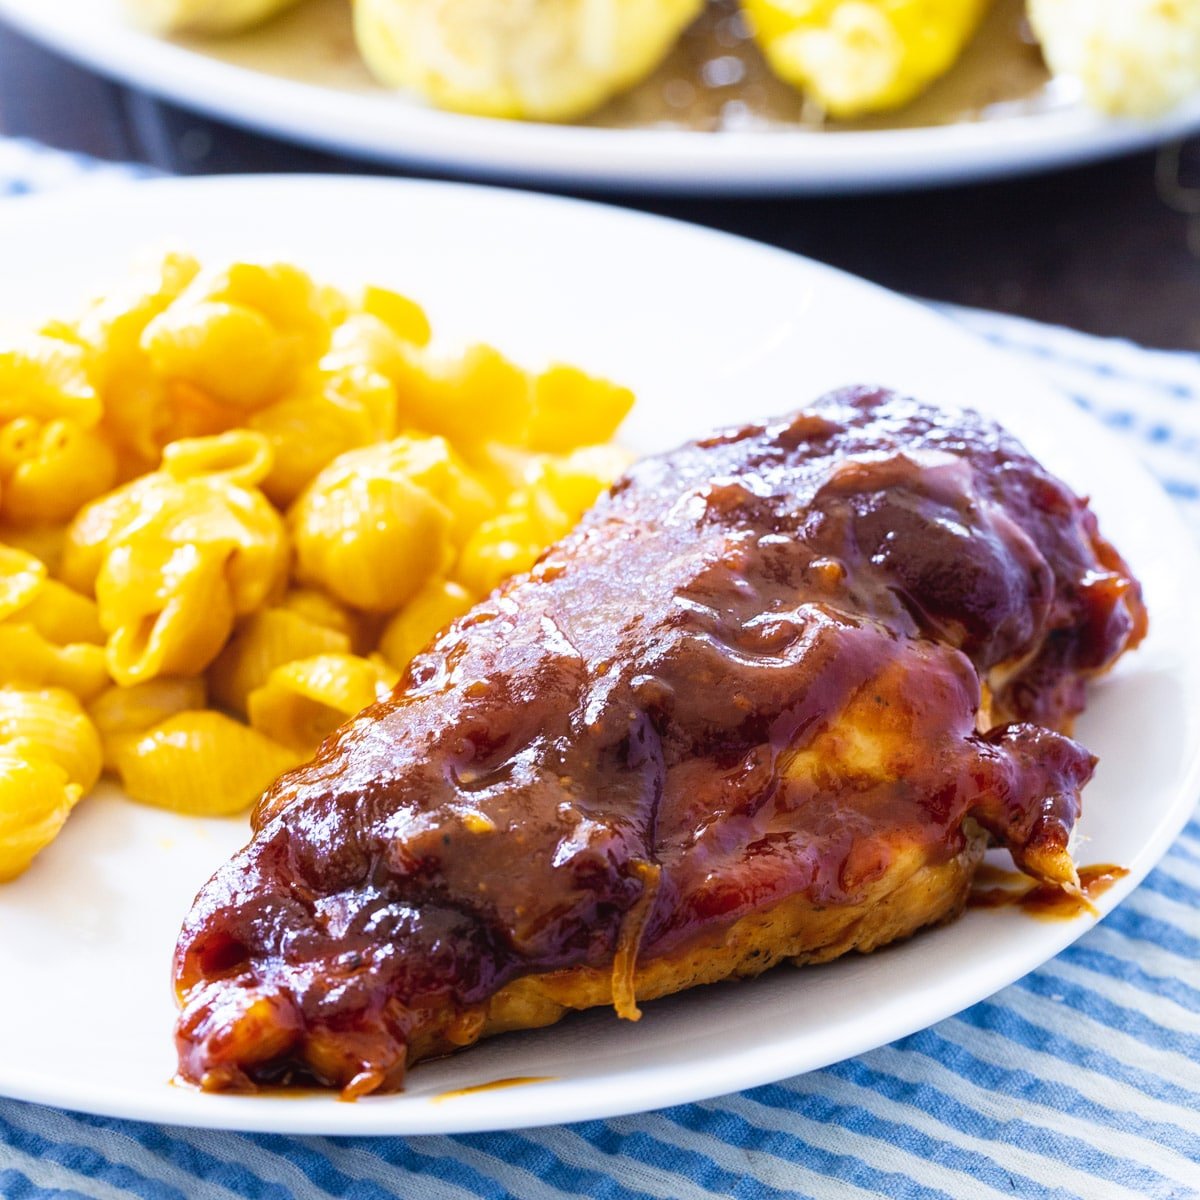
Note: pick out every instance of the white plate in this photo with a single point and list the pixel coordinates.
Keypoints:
(247, 83)
(709, 330)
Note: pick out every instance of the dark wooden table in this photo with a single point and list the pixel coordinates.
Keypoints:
(1112, 248)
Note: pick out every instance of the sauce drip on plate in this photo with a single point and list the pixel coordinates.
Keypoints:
(492, 1085)
(995, 888)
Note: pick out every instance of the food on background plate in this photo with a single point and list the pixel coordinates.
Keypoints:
(540, 59)
(854, 57)
(1133, 57)
(845, 60)
(234, 502)
(768, 701)
(206, 16)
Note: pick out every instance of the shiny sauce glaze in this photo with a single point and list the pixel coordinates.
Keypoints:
(751, 674)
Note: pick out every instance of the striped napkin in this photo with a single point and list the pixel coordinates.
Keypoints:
(1080, 1082)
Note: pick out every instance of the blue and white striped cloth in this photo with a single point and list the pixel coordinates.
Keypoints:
(1081, 1082)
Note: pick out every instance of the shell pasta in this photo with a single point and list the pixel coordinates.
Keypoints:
(50, 756)
(235, 502)
(159, 765)
(304, 701)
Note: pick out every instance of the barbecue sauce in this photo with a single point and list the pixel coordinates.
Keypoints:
(1010, 889)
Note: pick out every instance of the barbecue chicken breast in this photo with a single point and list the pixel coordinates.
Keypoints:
(768, 702)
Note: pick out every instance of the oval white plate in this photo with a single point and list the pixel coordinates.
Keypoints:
(709, 330)
(386, 128)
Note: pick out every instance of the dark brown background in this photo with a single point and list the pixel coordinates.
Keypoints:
(1109, 248)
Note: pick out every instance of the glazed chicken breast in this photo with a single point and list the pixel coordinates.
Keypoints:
(769, 701)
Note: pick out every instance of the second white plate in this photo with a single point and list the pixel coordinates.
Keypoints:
(262, 80)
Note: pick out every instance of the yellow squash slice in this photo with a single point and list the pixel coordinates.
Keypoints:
(855, 57)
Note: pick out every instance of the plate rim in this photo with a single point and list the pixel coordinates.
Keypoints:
(372, 1117)
(755, 162)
